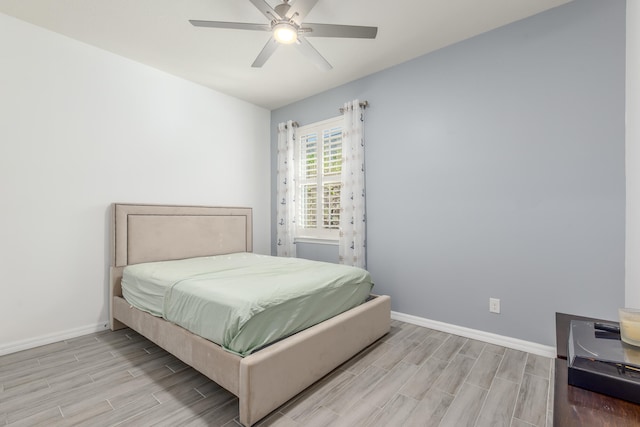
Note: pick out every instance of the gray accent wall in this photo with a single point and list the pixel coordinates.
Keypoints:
(495, 168)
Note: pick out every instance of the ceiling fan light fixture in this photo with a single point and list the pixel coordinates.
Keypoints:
(285, 33)
(287, 26)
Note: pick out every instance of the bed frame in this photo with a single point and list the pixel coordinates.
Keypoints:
(262, 381)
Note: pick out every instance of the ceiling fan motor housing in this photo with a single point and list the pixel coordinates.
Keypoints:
(282, 10)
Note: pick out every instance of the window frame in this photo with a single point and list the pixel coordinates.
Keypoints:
(319, 234)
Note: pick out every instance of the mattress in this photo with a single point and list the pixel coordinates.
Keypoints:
(245, 301)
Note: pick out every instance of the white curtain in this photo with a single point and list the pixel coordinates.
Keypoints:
(352, 249)
(286, 219)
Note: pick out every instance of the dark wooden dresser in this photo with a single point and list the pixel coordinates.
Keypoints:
(574, 406)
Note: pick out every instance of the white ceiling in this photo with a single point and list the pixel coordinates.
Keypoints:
(157, 33)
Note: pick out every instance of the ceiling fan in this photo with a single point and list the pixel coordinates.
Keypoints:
(286, 26)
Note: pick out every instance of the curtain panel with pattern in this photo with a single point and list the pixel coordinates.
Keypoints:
(352, 243)
(286, 186)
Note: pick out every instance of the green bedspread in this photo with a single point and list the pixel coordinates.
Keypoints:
(245, 301)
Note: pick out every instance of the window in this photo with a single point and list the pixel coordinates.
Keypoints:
(319, 160)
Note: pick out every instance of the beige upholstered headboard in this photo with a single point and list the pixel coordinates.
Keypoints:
(144, 233)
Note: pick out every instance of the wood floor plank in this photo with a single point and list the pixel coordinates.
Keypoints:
(13, 361)
(499, 405)
(399, 333)
(366, 358)
(320, 417)
(465, 407)
(519, 423)
(177, 365)
(90, 339)
(396, 412)
(362, 413)
(485, 369)
(395, 329)
(44, 418)
(96, 367)
(472, 348)
(215, 417)
(210, 388)
(531, 405)
(184, 385)
(538, 365)
(155, 381)
(200, 409)
(423, 351)
(419, 334)
(135, 365)
(91, 392)
(158, 413)
(19, 389)
(351, 392)
(36, 373)
(418, 386)
(80, 412)
(116, 416)
(277, 419)
(57, 359)
(450, 347)
(395, 354)
(512, 366)
(11, 403)
(495, 349)
(16, 367)
(151, 366)
(389, 384)
(430, 410)
(454, 374)
(314, 396)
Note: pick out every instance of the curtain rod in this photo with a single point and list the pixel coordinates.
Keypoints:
(294, 124)
(363, 104)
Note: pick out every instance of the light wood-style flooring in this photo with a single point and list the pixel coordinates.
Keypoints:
(414, 376)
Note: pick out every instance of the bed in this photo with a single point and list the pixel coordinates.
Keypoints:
(265, 379)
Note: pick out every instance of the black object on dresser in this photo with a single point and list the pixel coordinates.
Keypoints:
(599, 361)
(575, 406)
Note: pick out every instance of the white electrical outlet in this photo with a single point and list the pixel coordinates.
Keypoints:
(494, 305)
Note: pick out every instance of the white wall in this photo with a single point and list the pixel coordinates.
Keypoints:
(632, 279)
(81, 128)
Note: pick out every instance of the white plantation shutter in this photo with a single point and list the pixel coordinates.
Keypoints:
(309, 206)
(331, 169)
(308, 180)
(332, 151)
(331, 205)
(319, 178)
(309, 156)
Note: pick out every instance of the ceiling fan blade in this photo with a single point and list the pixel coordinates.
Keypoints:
(266, 10)
(232, 25)
(265, 53)
(311, 53)
(346, 31)
(299, 10)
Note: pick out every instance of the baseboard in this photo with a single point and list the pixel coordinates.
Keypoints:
(514, 343)
(16, 346)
